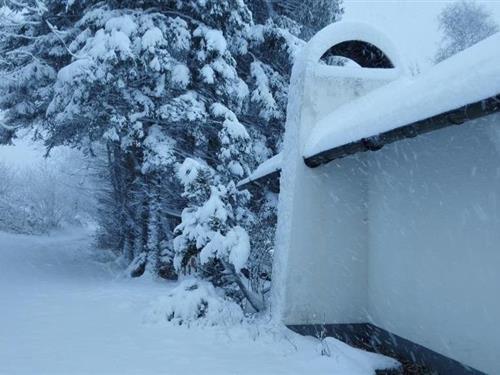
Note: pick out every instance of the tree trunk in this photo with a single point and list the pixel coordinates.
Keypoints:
(254, 299)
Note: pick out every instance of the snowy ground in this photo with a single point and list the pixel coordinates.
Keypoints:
(62, 311)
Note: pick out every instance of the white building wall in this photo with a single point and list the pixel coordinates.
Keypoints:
(315, 273)
(307, 274)
(327, 266)
(407, 237)
(434, 233)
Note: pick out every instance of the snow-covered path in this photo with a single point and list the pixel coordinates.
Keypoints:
(62, 311)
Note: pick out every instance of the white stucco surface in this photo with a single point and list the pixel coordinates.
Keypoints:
(323, 284)
(301, 258)
(407, 238)
(434, 241)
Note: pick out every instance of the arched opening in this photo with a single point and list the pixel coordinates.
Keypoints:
(362, 53)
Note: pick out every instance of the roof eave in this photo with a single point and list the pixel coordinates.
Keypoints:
(271, 180)
(457, 116)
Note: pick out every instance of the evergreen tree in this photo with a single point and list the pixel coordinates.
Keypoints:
(151, 89)
(210, 240)
(141, 86)
(463, 24)
(210, 243)
(306, 17)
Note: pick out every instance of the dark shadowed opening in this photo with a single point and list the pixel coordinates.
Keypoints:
(364, 54)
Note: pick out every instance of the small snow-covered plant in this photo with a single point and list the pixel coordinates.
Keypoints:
(198, 302)
(262, 229)
(209, 241)
(321, 335)
(46, 196)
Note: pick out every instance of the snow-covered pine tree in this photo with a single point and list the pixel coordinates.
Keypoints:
(214, 219)
(303, 17)
(202, 231)
(142, 86)
(134, 83)
(463, 24)
(29, 52)
(210, 243)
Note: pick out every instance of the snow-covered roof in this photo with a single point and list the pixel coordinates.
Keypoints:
(270, 166)
(468, 77)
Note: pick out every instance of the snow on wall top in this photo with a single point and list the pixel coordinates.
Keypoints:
(327, 38)
(465, 78)
(340, 32)
(271, 165)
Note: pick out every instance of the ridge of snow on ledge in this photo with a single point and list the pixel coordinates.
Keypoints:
(271, 165)
(468, 77)
(343, 31)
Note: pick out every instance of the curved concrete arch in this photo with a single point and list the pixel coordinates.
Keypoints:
(363, 53)
(360, 42)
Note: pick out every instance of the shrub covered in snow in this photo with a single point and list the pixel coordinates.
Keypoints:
(196, 302)
(210, 243)
(44, 196)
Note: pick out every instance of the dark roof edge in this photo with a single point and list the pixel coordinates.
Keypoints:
(271, 179)
(454, 117)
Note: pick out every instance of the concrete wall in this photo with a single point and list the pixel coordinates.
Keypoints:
(314, 275)
(407, 237)
(307, 274)
(327, 266)
(434, 235)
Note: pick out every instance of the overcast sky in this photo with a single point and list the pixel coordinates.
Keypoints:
(410, 24)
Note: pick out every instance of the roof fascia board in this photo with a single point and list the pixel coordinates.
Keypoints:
(457, 116)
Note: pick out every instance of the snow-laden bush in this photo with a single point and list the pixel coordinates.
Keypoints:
(209, 241)
(195, 302)
(45, 195)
